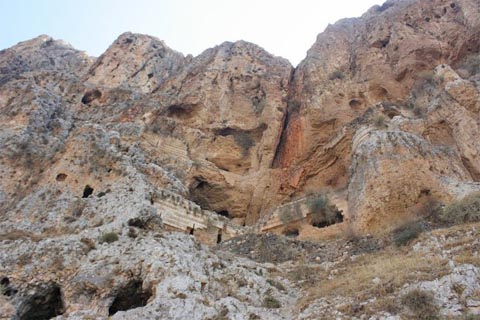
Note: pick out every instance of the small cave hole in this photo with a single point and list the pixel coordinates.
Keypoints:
(191, 230)
(7, 291)
(150, 75)
(219, 236)
(87, 191)
(91, 95)
(355, 104)
(452, 5)
(130, 296)
(224, 213)
(46, 303)
(180, 111)
(425, 192)
(61, 177)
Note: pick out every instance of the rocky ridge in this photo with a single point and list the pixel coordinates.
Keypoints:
(380, 118)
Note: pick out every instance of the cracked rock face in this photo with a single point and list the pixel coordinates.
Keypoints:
(103, 157)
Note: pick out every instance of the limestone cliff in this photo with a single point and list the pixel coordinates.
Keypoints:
(379, 118)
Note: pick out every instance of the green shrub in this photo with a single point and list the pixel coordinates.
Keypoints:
(321, 210)
(379, 121)
(421, 303)
(464, 210)
(271, 303)
(407, 233)
(108, 237)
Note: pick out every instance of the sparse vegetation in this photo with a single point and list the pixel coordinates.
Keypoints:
(290, 213)
(271, 303)
(379, 121)
(321, 211)
(108, 237)
(427, 76)
(89, 243)
(461, 211)
(276, 284)
(421, 303)
(472, 65)
(407, 233)
(303, 272)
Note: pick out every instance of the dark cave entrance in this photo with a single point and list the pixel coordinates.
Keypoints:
(322, 221)
(45, 304)
(224, 213)
(91, 95)
(219, 236)
(87, 191)
(130, 296)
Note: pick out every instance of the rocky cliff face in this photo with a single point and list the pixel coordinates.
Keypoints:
(381, 117)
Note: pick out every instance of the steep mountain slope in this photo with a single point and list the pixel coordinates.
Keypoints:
(103, 157)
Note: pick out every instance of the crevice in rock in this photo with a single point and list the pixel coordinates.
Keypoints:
(471, 169)
(45, 304)
(130, 296)
(292, 109)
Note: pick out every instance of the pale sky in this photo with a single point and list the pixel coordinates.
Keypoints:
(284, 28)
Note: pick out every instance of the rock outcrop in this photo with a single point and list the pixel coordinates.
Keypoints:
(103, 157)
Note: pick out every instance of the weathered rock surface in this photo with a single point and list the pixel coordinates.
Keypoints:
(381, 116)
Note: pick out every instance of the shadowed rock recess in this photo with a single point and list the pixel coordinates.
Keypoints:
(145, 184)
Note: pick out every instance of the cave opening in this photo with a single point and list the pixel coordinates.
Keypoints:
(87, 191)
(219, 236)
(91, 95)
(61, 177)
(224, 213)
(328, 219)
(45, 304)
(130, 296)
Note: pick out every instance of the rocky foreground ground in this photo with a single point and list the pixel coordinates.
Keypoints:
(145, 184)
